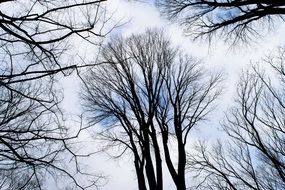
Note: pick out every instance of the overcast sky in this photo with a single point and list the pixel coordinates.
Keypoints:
(218, 56)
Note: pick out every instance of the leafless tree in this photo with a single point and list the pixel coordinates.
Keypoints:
(35, 39)
(34, 143)
(255, 155)
(234, 20)
(187, 100)
(34, 36)
(145, 94)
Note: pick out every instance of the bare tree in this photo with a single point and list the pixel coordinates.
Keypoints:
(188, 98)
(123, 93)
(35, 41)
(254, 158)
(233, 19)
(33, 139)
(144, 94)
(34, 36)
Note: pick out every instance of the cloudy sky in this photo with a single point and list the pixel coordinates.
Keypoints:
(217, 56)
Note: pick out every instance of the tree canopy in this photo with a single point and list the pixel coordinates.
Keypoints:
(147, 94)
(253, 155)
(234, 20)
(35, 39)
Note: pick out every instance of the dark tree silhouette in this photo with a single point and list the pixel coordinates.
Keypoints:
(35, 40)
(187, 99)
(34, 36)
(145, 94)
(123, 94)
(33, 139)
(254, 157)
(233, 19)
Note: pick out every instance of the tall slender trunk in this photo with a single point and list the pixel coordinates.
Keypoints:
(140, 175)
(179, 175)
(181, 185)
(148, 162)
(158, 162)
(168, 160)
